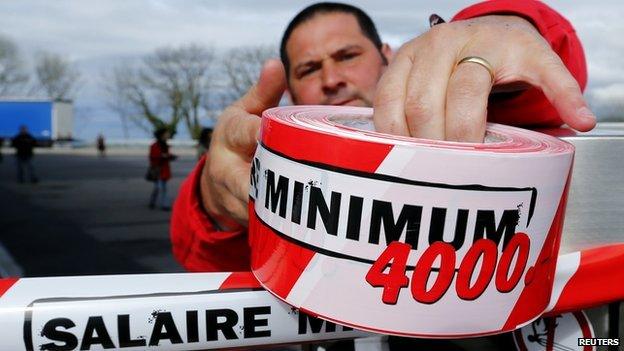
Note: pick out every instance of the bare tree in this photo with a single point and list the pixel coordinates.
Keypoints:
(169, 86)
(13, 76)
(127, 97)
(56, 76)
(242, 68)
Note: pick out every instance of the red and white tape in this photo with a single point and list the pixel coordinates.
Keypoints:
(203, 311)
(194, 311)
(399, 235)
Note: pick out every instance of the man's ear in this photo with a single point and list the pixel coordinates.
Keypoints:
(386, 50)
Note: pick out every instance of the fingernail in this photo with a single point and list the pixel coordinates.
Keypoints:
(586, 114)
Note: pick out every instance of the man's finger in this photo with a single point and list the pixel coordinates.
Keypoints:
(426, 93)
(466, 103)
(389, 102)
(237, 185)
(565, 95)
(241, 132)
(240, 182)
(234, 209)
(268, 91)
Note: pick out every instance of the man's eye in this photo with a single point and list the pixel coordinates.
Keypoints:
(307, 71)
(349, 56)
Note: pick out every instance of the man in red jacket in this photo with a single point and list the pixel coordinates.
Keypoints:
(513, 62)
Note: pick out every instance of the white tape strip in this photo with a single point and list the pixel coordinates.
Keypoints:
(155, 312)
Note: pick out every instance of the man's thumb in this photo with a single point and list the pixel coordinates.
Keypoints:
(268, 90)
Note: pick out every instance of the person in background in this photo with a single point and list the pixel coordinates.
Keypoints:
(101, 145)
(203, 143)
(24, 143)
(160, 160)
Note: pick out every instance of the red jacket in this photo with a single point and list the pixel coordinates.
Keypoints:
(159, 157)
(198, 246)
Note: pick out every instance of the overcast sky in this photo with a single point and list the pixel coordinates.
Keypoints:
(97, 34)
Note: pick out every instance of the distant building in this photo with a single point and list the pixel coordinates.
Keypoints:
(47, 120)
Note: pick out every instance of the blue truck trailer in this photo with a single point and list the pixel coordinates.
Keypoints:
(47, 120)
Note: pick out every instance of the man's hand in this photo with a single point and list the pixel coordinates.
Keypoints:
(225, 177)
(425, 94)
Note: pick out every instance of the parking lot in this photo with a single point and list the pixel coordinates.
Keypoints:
(87, 215)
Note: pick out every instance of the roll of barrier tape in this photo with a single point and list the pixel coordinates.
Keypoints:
(406, 236)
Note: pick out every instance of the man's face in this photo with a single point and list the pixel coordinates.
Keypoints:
(332, 62)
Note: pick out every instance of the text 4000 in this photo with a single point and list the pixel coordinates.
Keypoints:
(505, 276)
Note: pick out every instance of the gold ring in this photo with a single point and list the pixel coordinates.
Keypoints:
(480, 61)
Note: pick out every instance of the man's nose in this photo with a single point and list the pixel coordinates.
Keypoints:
(332, 77)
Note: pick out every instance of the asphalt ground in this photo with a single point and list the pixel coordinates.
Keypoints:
(87, 215)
